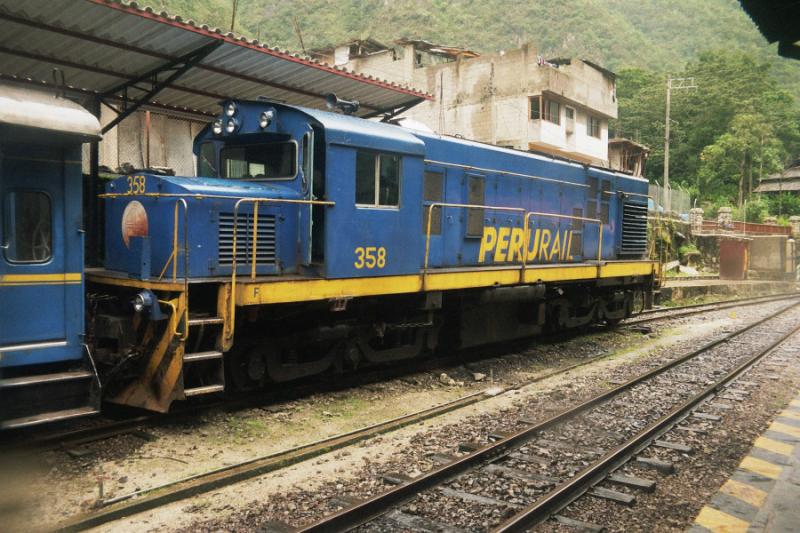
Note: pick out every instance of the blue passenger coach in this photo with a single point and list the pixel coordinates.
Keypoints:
(45, 370)
(318, 242)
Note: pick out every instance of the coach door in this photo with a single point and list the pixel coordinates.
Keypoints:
(38, 323)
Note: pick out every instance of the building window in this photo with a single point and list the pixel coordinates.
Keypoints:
(31, 227)
(377, 179)
(570, 113)
(593, 126)
(536, 107)
(551, 112)
(542, 108)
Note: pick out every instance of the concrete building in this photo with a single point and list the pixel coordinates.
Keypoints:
(516, 99)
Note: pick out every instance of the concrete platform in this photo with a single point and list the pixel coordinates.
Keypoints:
(763, 494)
(677, 289)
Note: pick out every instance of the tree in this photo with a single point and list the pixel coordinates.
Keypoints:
(729, 162)
(737, 127)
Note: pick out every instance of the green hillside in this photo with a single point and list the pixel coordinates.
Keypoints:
(655, 34)
(742, 122)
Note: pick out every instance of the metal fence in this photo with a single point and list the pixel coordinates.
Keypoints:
(678, 200)
(160, 141)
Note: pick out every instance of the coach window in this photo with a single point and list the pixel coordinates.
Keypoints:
(377, 179)
(29, 228)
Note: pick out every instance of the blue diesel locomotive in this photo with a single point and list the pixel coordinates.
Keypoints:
(318, 242)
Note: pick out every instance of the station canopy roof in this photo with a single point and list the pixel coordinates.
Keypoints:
(125, 54)
(778, 22)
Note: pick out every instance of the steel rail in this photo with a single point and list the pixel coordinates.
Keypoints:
(380, 504)
(330, 444)
(144, 500)
(695, 309)
(755, 299)
(574, 488)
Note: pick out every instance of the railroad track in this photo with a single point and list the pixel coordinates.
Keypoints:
(652, 315)
(154, 497)
(137, 425)
(614, 426)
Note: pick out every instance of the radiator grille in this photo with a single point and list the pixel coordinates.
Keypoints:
(244, 239)
(634, 229)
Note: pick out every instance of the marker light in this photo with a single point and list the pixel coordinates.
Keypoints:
(266, 118)
(230, 109)
(143, 301)
(217, 127)
(146, 303)
(231, 125)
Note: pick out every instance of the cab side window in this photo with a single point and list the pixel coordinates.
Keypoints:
(29, 227)
(377, 179)
(205, 161)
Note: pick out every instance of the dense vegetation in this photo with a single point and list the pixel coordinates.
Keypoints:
(737, 126)
(742, 122)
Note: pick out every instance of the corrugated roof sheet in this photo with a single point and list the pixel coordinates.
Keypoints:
(100, 44)
(778, 186)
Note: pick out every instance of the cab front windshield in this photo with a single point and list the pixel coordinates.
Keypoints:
(277, 160)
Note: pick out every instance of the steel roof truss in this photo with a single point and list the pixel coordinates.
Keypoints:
(178, 67)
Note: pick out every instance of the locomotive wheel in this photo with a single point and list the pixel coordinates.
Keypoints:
(238, 369)
(399, 346)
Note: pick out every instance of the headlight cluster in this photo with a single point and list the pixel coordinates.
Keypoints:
(228, 122)
(231, 120)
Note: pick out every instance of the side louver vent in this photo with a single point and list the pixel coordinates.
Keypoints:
(265, 249)
(634, 229)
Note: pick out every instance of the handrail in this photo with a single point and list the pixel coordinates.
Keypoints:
(196, 196)
(526, 214)
(174, 259)
(526, 230)
(445, 204)
(503, 172)
(255, 202)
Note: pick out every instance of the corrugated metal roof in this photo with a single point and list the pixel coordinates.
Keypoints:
(101, 44)
(778, 186)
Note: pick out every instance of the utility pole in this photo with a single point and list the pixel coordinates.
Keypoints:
(672, 84)
(233, 16)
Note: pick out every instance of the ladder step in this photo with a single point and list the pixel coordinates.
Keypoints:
(51, 416)
(201, 356)
(40, 379)
(207, 389)
(205, 320)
